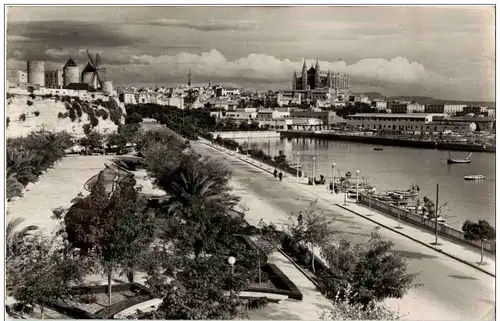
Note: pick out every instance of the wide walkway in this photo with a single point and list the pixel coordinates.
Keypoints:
(55, 188)
(450, 289)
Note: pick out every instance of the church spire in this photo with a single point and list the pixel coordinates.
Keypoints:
(189, 77)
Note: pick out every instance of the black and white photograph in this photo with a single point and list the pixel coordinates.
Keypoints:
(259, 161)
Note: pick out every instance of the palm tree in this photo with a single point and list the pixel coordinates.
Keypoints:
(188, 184)
(14, 188)
(14, 238)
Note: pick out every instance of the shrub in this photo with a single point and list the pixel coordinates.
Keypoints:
(9, 95)
(22, 117)
(32, 96)
(86, 129)
(60, 115)
(7, 121)
(56, 97)
(37, 113)
(30, 103)
(93, 120)
(72, 114)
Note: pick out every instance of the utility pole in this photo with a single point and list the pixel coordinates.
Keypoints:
(333, 177)
(436, 214)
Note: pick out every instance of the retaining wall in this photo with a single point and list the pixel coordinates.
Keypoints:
(247, 134)
(443, 229)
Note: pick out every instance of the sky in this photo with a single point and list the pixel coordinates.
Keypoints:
(442, 52)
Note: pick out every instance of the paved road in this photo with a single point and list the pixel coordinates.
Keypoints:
(450, 289)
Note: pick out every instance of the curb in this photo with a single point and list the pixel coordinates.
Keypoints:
(389, 228)
(420, 242)
(299, 268)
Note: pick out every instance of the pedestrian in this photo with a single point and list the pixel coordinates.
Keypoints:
(281, 176)
(275, 173)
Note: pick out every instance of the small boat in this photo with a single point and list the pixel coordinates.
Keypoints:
(474, 177)
(458, 160)
(378, 148)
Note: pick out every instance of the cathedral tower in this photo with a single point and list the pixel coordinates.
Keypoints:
(294, 81)
(316, 75)
(189, 78)
(304, 76)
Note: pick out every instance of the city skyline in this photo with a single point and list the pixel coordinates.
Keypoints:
(391, 50)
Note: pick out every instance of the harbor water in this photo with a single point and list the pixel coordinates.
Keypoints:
(399, 168)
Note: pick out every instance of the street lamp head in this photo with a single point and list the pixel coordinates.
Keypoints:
(333, 164)
(231, 260)
(357, 172)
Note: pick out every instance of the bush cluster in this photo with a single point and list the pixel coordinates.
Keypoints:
(29, 156)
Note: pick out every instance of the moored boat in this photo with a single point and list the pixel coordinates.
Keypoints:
(474, 177)
(458, 160)
(378, 148)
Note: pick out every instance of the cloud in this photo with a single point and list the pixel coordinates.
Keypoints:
(209, 25)
(266, 68)
(55, 34)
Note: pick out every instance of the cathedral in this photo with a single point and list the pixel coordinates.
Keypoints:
(317, 80)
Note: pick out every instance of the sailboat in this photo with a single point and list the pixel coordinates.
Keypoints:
(458, 160)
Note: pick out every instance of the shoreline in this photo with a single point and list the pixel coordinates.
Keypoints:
(385, 141)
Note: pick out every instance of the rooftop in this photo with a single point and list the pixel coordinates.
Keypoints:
(385, 115)
(70, 63)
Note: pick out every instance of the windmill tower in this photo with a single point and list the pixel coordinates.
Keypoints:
(90, 74)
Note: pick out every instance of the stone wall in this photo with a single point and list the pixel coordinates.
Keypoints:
(247, 134)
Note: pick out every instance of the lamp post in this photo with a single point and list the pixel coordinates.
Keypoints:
(314, 171)
(357, 185)
(298, 166)
(231, 260)
(333, 177)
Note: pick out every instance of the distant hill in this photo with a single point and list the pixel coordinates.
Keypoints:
(429, 100)
(425, 100)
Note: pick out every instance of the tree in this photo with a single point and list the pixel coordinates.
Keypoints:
(134, 118)
(481, 231)
(371, 270)
(109, 223)
(92, 140)
(266, 244)
(199, 290)
(13, 186)
(343, 309)
(126, 134)
(22, 117)
(40, 272)
(190, 98)
(312, 229)
(197, 178)
(14, 239)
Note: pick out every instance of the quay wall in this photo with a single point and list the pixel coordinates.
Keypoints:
(391, 141)
(247, 134)
(443, 229)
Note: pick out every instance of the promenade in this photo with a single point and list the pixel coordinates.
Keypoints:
(450, 289)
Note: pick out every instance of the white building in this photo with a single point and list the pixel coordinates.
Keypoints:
(227, 92)
(286, 98)
(273, 114)
(415, 108)
(379, 104)
(453, 109)
(128, 98)
(236, 115)
(391, 122)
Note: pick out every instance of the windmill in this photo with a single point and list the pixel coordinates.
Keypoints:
(90, 75)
